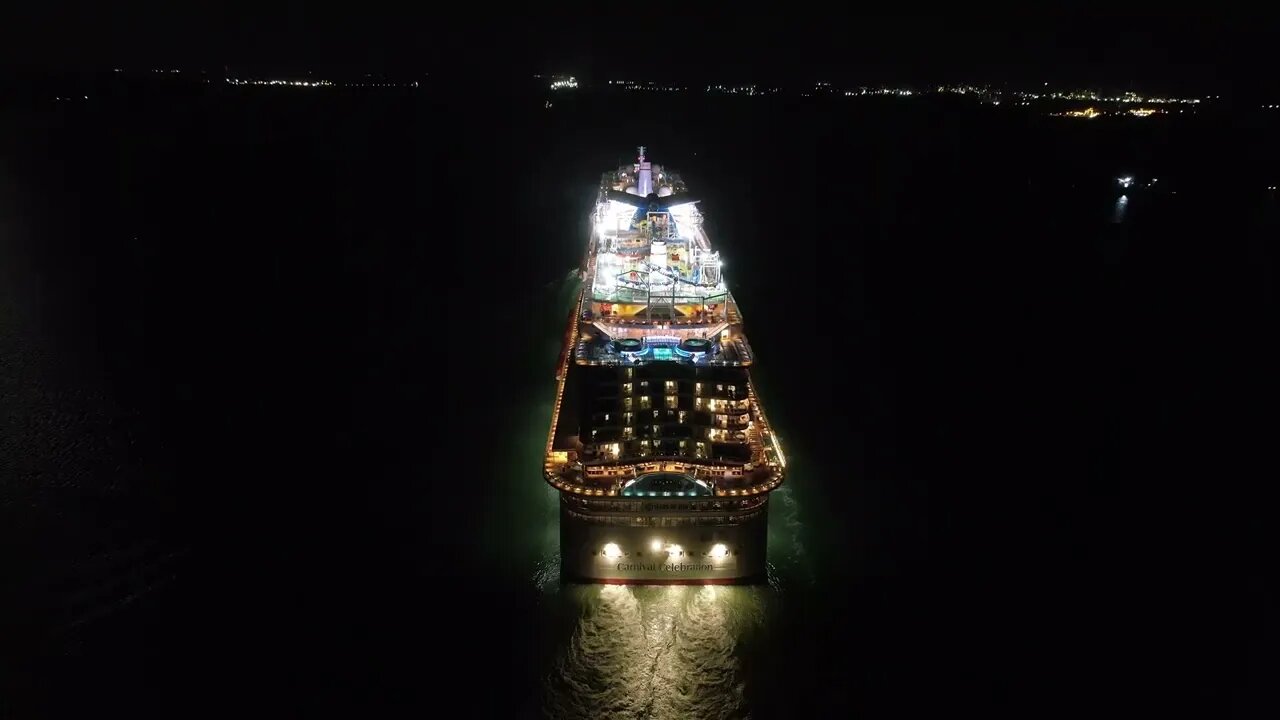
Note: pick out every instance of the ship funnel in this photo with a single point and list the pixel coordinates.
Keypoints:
(645, 169)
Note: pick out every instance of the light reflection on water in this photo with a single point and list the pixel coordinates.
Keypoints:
(665, 651)
(655, 652)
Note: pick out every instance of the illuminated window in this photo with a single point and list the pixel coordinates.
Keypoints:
(670, 386)
(697, 389)
(671, 401)
(626, 388)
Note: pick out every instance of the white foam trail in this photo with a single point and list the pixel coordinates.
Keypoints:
(656, 652)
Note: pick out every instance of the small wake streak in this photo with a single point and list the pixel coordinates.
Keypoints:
(789, 563)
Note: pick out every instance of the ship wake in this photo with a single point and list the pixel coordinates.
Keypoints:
(655, 652)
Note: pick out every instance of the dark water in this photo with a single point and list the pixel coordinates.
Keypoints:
(277, 374)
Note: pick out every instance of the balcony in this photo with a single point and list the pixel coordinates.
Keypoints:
(610, 480)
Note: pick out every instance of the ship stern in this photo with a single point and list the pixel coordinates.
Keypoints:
(652, 545)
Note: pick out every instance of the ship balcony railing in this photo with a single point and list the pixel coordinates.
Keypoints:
(718, 511)
(761, 479)
(728, 437)
(727, 411)
(571, 477)
(640, 320)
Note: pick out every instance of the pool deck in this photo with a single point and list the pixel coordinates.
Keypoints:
(595, 344)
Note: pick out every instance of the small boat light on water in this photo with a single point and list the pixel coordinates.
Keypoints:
(719, 550)
(1125, 181)
(611, 550)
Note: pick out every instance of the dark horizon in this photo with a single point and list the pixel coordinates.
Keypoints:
(1190, 55)
(523, 81)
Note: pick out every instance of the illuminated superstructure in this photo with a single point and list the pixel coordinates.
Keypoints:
(658, 444)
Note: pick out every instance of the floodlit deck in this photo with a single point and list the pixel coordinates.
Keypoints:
(596, 345)
(654, 293)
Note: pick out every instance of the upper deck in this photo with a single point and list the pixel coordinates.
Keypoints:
(654, 380)
(653, 289)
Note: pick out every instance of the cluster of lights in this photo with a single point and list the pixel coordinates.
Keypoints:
(962, 90)
(646, 86)
(1090, 112)
(899, 92)
(774, 481)
(613, 551)
(749, 90)
(984, 92)
(289, 83)
(318, 83)
(549, 474)
(564, 83)
(820, 88)
(1128, 98)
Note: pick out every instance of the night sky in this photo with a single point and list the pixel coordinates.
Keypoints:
(1123, 48)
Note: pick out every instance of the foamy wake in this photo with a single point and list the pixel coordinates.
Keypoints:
(661, 652)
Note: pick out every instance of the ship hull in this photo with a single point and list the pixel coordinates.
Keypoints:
(685, 554)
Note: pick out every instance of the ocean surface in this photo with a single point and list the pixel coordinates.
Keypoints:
(276, 369)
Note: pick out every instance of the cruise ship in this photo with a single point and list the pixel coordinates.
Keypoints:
(659, 446)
